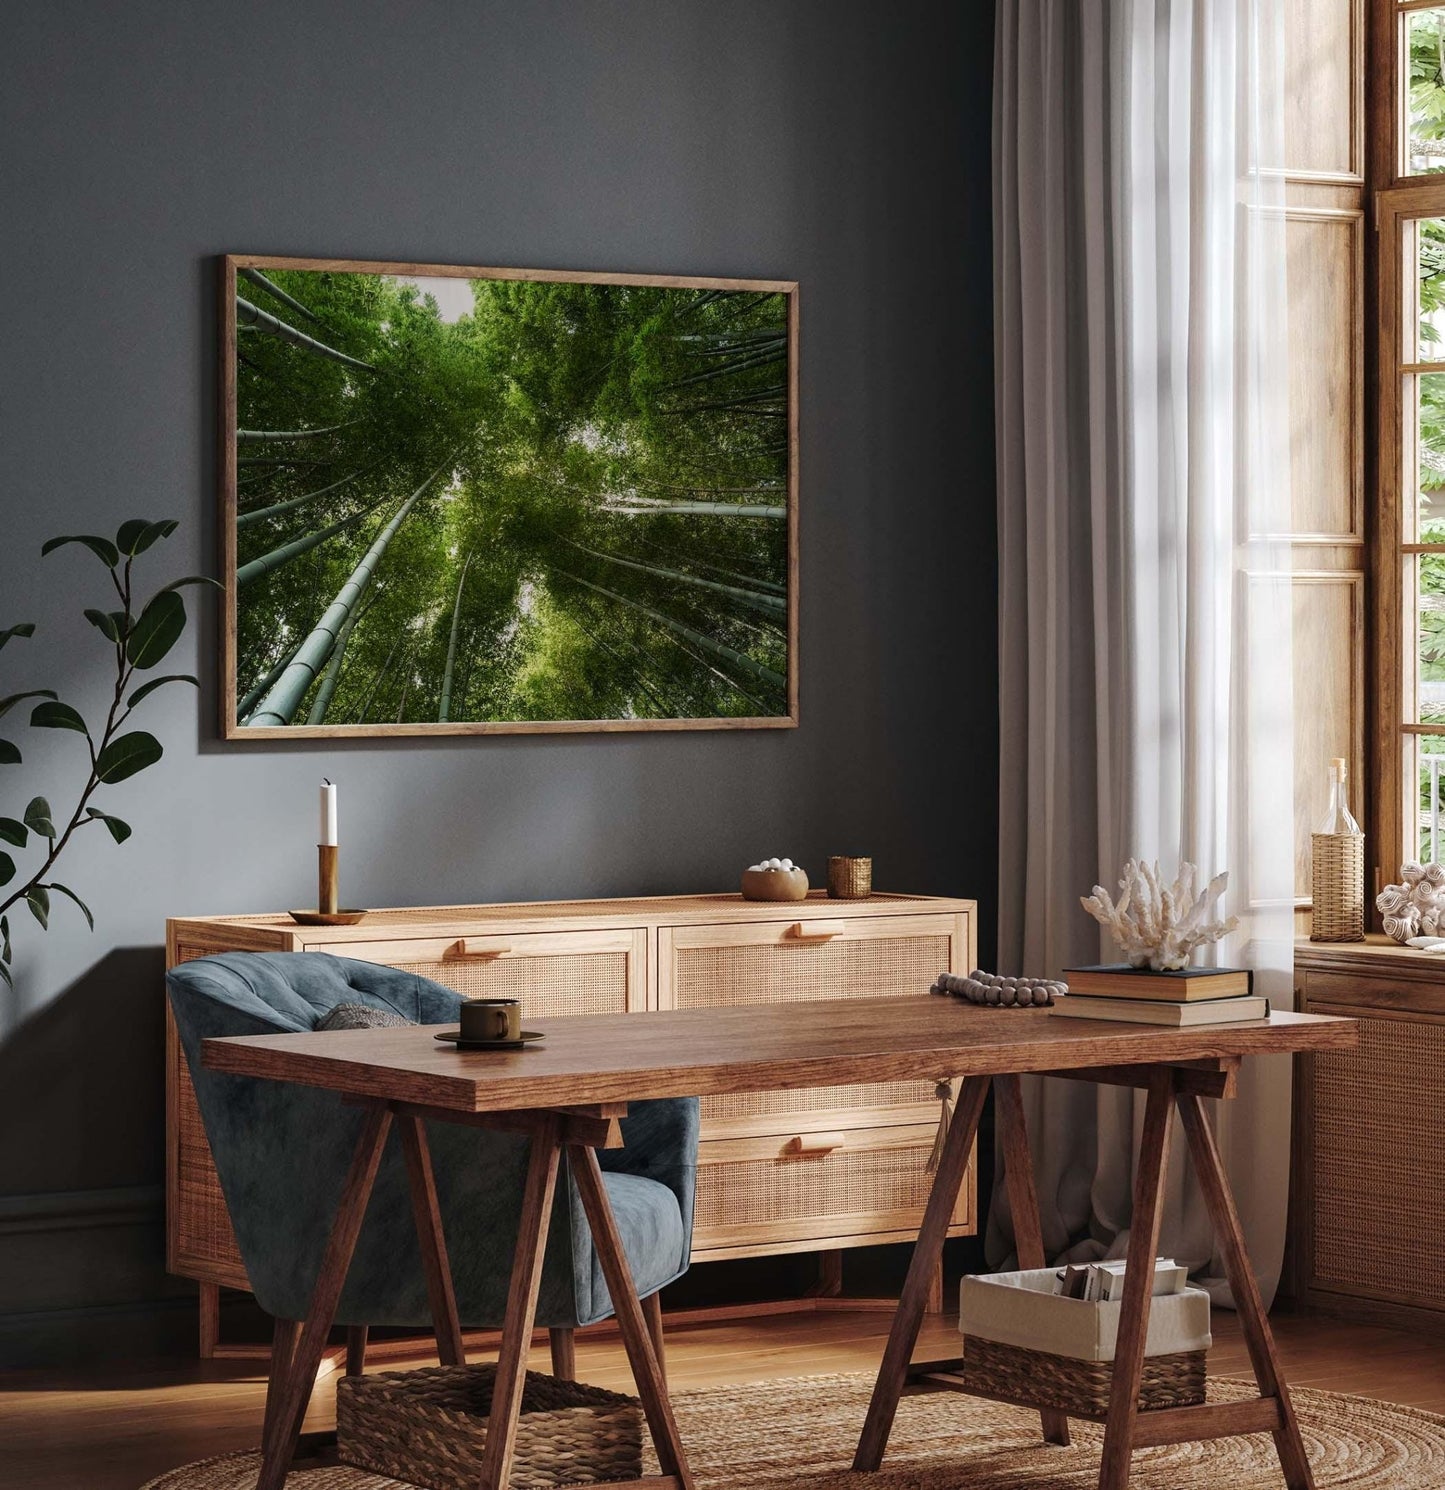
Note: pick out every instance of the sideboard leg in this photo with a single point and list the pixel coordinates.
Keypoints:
(1254, 1323)
(935, 1289)
(1144, 1224)
(356, 1335)
(927, 1253)
(209, 1318)
(1023, 1204)
(830, 1275)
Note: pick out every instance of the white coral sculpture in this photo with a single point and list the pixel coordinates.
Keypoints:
(1416, 907)
(1158, 925)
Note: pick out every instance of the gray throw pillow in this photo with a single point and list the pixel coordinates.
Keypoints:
(361, 1017)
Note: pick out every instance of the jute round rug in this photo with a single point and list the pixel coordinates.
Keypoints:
(799, 1434)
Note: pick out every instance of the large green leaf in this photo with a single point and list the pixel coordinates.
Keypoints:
(126, 755)
(13, 832)
(102, 548)
(6, 704)
(71, 895)
(9, 753)
(119, 830)
(4, 938)
(38, 899)
(149, 688)
(37, 818)
(55, 715)
(8, 977)
(25, 628)
(136, 536)
(7, 868)
(105, 622)
(157, 630)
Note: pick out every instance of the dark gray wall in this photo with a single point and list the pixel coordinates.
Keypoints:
(844, 145)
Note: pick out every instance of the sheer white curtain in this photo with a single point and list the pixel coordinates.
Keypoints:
(1143, 501)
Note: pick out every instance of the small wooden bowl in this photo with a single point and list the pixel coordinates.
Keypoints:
(774, 884)
(325, 918)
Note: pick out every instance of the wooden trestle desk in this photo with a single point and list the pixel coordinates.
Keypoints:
(568, 1092)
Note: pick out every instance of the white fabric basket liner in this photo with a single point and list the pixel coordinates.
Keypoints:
(1021, 1309)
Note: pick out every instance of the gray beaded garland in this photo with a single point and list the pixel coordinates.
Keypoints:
(995, 991)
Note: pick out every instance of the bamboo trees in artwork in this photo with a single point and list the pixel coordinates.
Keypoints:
(569, 502)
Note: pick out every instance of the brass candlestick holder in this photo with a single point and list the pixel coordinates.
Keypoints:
(326, 901)
(328, 911)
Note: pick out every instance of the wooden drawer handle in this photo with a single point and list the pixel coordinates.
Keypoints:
(815, 1143)
(463, 948)
(815, 931)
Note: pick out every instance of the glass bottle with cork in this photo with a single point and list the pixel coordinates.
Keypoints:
(1337, 865)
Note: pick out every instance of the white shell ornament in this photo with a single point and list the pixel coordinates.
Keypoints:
(1158, 925)
(1415, 907)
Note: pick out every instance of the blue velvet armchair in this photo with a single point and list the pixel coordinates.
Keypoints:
(282, 1152)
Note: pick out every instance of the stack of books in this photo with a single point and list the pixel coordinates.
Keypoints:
(1103, 1282)
(1139, 995)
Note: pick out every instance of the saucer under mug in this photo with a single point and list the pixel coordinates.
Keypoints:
(455, 1037)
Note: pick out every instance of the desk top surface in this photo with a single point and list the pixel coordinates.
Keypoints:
(589, 1059)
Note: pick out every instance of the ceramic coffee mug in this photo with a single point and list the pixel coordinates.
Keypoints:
(491, 1019)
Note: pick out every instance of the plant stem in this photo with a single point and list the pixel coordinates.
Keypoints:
(123, 673)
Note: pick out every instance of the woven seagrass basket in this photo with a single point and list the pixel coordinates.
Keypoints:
(1337, 887)
(1080, 1387)
(429, 1427)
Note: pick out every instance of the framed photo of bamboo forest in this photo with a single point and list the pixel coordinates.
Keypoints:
(469, 501)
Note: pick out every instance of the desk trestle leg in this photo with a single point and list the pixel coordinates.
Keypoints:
(1126, 1426)
(937, 1215)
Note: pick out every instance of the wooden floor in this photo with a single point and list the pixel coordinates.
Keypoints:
(114, 1428)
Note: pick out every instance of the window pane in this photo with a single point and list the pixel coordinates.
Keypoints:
(1430, 639)
(1429, 461)
(1430, 822)
(1425, 104)
(1429, 254)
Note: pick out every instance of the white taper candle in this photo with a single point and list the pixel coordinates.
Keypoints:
(328, 813)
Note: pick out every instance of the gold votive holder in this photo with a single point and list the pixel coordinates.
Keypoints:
(850, 877)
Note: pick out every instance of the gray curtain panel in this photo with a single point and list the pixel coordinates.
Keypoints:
(1143, 488)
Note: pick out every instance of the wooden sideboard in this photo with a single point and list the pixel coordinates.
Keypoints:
(790, 1171)
(1368, 1232)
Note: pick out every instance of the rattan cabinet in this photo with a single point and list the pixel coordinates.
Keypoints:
(778, 1171)
(1368, 1219)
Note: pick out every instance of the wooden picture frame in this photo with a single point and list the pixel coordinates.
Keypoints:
(722, 661)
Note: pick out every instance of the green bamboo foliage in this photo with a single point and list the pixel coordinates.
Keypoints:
(449, 672)
(718, 649)
(770, 605)
(276, 509)
(303, 545)
(258, 436)
(283, 700)
(252, 318)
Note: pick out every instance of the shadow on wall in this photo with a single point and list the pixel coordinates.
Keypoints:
(82, 1151)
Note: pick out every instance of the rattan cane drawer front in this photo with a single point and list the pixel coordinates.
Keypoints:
(767, 963)
(1378, 1161)
(760, 1196)
(564, 972)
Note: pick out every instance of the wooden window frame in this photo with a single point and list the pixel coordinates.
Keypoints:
(1398, 198)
